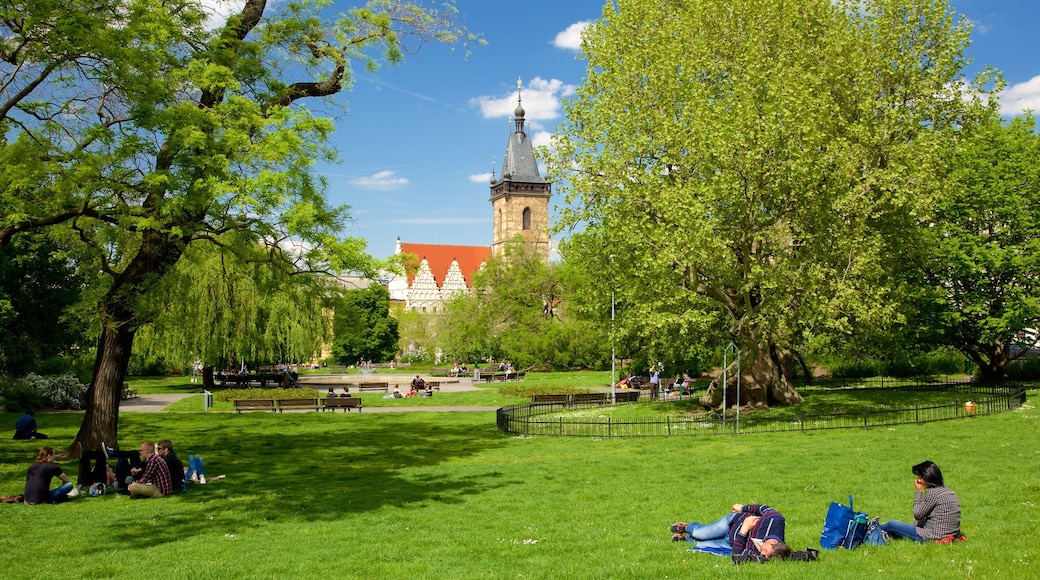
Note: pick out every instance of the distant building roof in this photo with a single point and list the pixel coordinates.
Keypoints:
(440, 256)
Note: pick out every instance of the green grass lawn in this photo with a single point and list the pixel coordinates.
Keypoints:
(445, 495)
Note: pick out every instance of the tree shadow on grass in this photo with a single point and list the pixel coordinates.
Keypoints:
(308, 467)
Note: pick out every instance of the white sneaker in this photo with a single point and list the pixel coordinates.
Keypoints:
(194, 478)
(202, 480)
(74, 492)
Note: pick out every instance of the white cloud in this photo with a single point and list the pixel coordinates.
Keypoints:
(541, 99)
(481, 177)
(542, 139)
(1018, 97)
(381, 180)
(571, 37)
(219, 10)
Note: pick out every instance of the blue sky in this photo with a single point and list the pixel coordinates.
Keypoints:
(418, 140)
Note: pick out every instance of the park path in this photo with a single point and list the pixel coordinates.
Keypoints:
(156, 403)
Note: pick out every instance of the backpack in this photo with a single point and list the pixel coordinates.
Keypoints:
(843, 527)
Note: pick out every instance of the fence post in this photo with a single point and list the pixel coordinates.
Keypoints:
(609, 424)
(917, 414)
(864, 418)
(668, 420)
(801, 420)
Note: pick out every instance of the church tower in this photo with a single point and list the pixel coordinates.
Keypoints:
(520, 197)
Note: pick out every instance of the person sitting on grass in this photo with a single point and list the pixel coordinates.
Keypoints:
(154, 479)
(173, 463)
(38, 480)
(25, 427)
(749, 532)
(937, 511)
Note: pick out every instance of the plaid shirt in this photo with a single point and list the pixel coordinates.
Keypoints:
(938, 513)
(156, 473)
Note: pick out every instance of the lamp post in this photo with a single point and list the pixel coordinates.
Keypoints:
(613, 379)
(725, 382)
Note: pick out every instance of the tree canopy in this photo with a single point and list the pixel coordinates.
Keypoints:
(759, 158)
(981, 256)
(363, 327)
(133, 131)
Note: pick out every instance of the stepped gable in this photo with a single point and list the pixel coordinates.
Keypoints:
(439, 258)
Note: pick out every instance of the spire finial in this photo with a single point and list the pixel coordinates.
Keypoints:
(519, 88)
(518, 113)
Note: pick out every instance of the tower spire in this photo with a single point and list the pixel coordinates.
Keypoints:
(518, 113)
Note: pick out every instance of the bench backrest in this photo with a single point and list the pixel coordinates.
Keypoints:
(548, 398)
(254, 404)
(343, 402)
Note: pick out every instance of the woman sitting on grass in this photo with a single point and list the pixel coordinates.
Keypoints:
(937, 510)
(38, 480)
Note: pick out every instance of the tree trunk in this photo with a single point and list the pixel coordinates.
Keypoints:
(207, 379)
(991, 358)
(101, 419)
(764, 380)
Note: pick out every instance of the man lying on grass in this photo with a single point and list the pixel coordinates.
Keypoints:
(753, 532)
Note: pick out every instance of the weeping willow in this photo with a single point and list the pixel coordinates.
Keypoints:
(218, 307)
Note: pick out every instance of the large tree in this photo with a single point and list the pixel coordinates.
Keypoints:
(38, 283)
(363, 327)
(136, 131)
(981, 262)
(760, 157)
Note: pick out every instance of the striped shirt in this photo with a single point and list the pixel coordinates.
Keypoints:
(938, 513)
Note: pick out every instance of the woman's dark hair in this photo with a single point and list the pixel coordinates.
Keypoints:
(929, 472)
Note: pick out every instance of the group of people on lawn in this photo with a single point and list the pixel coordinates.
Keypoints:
(750, 532)
(755, 532)
(153, 470)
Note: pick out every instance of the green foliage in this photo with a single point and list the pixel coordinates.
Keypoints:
(35, 392)
(261, 393)
(19, 397)
(766, 170)
(528, 388)
(363, 327)
(981, 262)
(520, 311)
(38, 286)
(145, 138)
(1025, 369)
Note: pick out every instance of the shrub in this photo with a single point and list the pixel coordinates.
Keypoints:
(526, 390)
(1024, 369)
(260, 393)
(58, 391)
(18, 397)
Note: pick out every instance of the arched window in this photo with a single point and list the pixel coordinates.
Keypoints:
(527, 218)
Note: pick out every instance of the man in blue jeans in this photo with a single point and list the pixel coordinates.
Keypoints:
(753, 531)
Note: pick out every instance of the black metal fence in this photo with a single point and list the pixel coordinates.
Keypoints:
(551, 419)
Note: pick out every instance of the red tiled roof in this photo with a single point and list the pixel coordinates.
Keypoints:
(440, 256)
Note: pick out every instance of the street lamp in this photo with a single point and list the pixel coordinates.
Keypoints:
(613, 379)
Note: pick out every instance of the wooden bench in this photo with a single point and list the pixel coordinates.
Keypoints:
(345, 403)
(626, 397)
(549, 398)
(305, 404)
(254, 405)
(601, 398)
(373, 387)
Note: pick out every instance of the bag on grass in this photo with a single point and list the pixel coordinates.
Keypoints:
(843, 527)
(875, 535)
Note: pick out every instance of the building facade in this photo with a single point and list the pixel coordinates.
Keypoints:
(520, 208)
